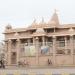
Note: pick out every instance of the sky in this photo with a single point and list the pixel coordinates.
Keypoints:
(21, 13)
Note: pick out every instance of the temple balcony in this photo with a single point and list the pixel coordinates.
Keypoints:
(59, 49)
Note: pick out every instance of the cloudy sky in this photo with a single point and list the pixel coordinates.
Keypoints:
(21, 13)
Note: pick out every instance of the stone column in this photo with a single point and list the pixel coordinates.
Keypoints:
(46, 40)
(28, 42)
(33, 40)
(6, 51)
(66, 44)
(18, 51)
(37, 51)
(54, 50)
(71, 47)
(43, 41)
(9, 53)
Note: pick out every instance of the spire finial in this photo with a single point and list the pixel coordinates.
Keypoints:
(34, 20)
(42, 20)
(55, 10)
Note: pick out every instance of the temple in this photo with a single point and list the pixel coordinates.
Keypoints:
(41, 44)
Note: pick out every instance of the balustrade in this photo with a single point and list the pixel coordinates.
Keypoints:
(60, 46)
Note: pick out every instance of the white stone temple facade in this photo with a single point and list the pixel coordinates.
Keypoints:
(41, 44)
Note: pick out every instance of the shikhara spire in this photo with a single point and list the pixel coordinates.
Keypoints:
(54, 18)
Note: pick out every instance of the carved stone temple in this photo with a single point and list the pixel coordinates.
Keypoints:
(41, 44)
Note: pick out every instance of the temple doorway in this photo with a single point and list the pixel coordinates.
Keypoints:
(13, 57)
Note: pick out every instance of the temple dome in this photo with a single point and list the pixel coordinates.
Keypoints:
(40, 30)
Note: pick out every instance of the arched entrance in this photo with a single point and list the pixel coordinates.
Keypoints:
(13, 57)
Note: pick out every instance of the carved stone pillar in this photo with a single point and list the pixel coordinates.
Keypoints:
(46, 41)
(18, 50)
(33, 40)
(43, 41)
(9, 53)
(71, 46)
(6, 51)
(28, 41)
(54, 50)
(66, 44)
(37, 51)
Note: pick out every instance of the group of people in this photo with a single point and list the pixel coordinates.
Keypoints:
(25, 63)
(20, 63)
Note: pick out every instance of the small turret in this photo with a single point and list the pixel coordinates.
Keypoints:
(42, 21)
(8, 27)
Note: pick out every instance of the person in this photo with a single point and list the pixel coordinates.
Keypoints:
(2, 65)
(49, 62)
(26, 63)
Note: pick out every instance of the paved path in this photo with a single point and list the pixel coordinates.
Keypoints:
(47, 71)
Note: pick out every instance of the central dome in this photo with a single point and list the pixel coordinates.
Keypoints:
(40, 30)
